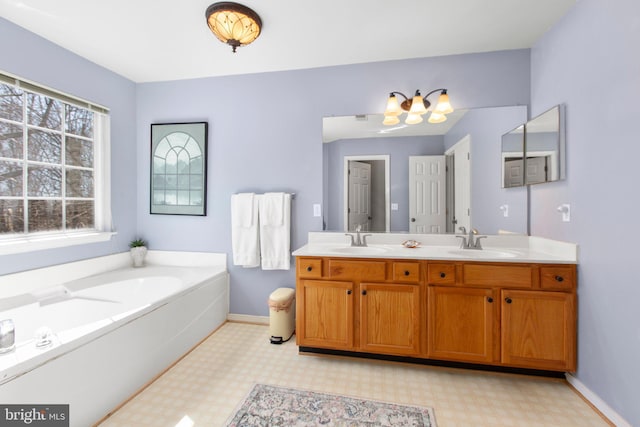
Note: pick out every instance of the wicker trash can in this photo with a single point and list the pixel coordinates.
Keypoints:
(281, 315)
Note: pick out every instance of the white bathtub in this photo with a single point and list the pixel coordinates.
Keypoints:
(111, 334)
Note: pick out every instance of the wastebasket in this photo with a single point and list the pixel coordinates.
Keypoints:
(281, 315)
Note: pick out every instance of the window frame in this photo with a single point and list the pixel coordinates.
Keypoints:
(102, 229)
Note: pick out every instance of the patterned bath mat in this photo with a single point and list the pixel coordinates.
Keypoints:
(268, 405)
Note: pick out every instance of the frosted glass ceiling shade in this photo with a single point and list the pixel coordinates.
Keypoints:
(390, 120)
(413, 119)
(233, 23)
(417, 104)
(444, 106)
(436, 117)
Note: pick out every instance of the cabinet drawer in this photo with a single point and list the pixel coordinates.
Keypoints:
(310, 267)
(357, 270)
(512, 276)
(558, 277)
(441, 273)
(406, 272)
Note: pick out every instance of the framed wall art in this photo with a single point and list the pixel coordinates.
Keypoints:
(179, 168)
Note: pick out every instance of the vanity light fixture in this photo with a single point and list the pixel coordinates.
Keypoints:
(233, 23)
(416, 107)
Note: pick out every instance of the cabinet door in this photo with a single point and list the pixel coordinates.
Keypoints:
(538, 329)
(461, 324)
(324, 311)
(389, 318)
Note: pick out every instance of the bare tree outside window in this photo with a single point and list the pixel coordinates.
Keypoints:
(53, 187)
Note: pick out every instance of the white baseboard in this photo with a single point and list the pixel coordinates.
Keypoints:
(596, 401)
(246, 318)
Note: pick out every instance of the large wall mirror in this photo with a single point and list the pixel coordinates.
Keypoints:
(424, 178)
(534, 153)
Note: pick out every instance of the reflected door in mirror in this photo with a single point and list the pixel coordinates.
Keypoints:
(427, 211)
(359, 196)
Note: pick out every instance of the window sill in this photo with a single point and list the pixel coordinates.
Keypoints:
(52, 241)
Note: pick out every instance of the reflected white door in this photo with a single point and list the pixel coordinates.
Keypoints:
(537, 170)
(462, 182)
(513, 172)
(359, 196)
(427, 210)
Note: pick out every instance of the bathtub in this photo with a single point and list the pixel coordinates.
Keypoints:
(108, 334)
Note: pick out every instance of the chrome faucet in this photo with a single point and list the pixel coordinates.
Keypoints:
(472, 240)
(7, 336)
(358, 239)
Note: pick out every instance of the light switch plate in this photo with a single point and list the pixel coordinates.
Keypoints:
(317, 210)
(394, 206)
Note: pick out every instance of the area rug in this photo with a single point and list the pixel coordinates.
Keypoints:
(268, 405)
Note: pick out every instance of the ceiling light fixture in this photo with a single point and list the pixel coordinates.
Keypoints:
(233, 23)
(416, 107)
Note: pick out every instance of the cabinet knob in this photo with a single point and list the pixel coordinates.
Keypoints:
(508, 300)
(489, 299)
(443, 275)
(406, 272)
(348, 291)
(559, 278)
(309, 268)
(364, 292)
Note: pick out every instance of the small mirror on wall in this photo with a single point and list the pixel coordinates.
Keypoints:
(534, 153)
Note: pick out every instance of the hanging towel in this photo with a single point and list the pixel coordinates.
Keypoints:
(244, 230)
(275, 231)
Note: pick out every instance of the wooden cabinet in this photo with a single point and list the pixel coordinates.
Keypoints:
(505, 314)
(324, 314)
(390, 318)
(539, 329)
(359, 306)
(461, 324)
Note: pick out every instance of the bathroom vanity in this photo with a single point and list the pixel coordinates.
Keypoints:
(510, 305)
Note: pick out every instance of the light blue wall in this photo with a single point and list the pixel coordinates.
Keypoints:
(34, 58)
(399, 149)
(590, 63)
(486, 127)
(265, 135)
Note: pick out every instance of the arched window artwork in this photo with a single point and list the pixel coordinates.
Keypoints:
(178, 168)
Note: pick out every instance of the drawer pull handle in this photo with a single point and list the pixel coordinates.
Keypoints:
(559, 279)
(349, 292)
(443, 275)
(309, 268)
(364, 292)
(489, 299)
(406, 272)
(508, 300)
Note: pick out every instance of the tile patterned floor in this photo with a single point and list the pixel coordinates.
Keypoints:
(210, 382)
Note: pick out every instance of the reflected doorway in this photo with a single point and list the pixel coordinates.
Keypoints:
(366, 193)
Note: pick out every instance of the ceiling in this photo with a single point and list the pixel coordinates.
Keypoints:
(158, 40)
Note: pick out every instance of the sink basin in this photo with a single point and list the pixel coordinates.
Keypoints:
(482, 253)
(360, 250)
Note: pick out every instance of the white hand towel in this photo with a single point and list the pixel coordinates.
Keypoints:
(275, 231)
(244, 230)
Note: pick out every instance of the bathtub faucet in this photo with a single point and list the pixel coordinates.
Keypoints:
(7, 336)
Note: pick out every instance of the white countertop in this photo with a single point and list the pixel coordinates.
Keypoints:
(496, 248)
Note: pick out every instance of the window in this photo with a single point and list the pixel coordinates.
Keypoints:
(53, 165)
